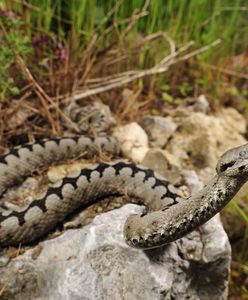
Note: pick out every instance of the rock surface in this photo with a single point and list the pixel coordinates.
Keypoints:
(196, 140)
(95, 263)
(201, 139)
(133, 141)
(201, 105)
(164, 163)
(159, 129)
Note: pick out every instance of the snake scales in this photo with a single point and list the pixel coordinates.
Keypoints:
(172, 217)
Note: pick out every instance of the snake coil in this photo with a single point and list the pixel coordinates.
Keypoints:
(171, 218)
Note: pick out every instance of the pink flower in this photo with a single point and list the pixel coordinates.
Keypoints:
(9, 14)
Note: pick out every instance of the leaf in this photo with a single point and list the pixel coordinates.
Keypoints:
(178, 101)
(165, 87)
(167, 97)
(10, 81)
(15, 91)
(154, 112)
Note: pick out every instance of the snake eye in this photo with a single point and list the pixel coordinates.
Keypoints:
(224, 167)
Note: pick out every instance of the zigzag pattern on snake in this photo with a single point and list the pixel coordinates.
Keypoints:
(171, 216)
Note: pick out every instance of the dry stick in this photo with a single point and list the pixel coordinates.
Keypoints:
(139, 74)
(131, 20)
(136, 15)
(88, 65)
(112, 12)
(201, 50)
(142, 42)
(162, 63)
(153, 36)
(117, 77)
(228, 72)
(96, 37)
(176, 53)
(40, 92)
(87, 53)
(29, 76)
(44, 97)
(134, 18)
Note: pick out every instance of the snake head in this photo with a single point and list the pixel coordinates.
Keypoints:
(234, 162)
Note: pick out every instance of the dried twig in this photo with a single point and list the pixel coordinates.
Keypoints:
(228, 72)
(104, 84)
(42, 95)
(136, 15)
(44, 98)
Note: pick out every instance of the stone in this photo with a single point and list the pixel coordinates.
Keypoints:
(201, 139)
(234, 119)
(56, 173)
(201, 105)
(209, 254)
(164, 163)
(192, 180)
(94, 262)
(159, 129)
(133, 141)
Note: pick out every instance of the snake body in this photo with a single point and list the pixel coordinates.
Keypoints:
(172, 216)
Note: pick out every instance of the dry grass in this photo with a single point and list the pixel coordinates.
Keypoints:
(38, 114)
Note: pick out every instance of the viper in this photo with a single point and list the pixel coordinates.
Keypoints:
(168, 217)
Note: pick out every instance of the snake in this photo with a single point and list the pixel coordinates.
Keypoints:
(167, 218)
(95, 117)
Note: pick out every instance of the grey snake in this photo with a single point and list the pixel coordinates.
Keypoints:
(170, 217)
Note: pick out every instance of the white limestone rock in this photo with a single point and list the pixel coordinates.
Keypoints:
(159, 129)
(201, 139)
(201, 105)
(233, 119)
(95, 263)
(133, 141)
